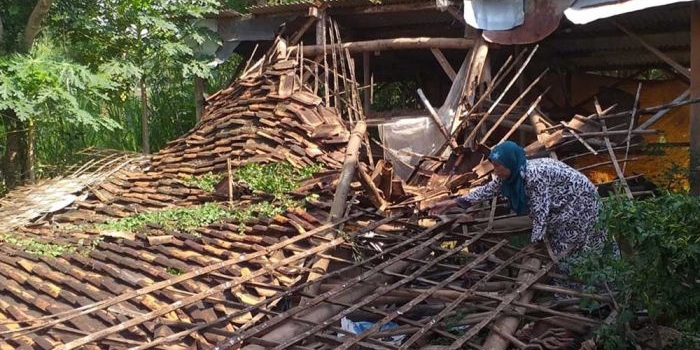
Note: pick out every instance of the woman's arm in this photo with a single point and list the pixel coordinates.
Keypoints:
(481, 193)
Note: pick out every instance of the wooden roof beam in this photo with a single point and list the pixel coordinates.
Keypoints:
(677, 66)
(384, 9)
(391, 44)
(444, 63)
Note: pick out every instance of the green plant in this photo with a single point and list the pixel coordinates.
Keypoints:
(36, 247)
(206, 182)
(660, 273)
(674, 178)
(174, 271)
(183, 219)
(274, 178)
(395, 95)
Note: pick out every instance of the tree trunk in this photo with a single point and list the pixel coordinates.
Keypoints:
(29, 175)
(40, 11)
(144, 117)
(11, 160)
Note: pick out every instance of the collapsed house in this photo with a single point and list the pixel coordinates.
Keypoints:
(361, 265)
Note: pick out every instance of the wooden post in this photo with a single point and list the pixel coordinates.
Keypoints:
(376, 197)
(230, 182)
(695, 93)
(198, 98)
(366, 83)
(341, 195)
(444, 63)
(664, 57)
(348, 172)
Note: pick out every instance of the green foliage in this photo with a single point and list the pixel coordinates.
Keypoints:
(395, 95)
(160, 42)
(87, 95)
(262, 209)
(42, 85)
(674, 178)
(174, 271)
(206, 182)
(661, 274)
(181, 219)
(189, 218)
(275, 178)
(36, 247)
(14, 15)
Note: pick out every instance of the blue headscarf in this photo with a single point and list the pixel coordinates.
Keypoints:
(512, 157)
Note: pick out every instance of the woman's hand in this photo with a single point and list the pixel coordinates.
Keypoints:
(438, 208)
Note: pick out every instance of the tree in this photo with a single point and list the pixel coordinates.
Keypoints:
(116, 49)
(143, 39)
(21, 23)
(40, 89)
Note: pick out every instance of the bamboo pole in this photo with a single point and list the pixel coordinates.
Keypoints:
(404, 308)
(628, 139)
(509, 324)
(348, 171)
(462, 297)
(436, 119)
(315, 310)
(286, 293)
(334, 61)
(512, 81)
(190, 300)
(373, 193)
(86, 309)
(522, 119)
(341, 194)
(613, 158)
(512, 106)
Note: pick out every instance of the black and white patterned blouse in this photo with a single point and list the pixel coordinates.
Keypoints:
(563, 204)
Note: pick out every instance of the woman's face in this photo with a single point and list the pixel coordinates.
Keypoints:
(501, 171)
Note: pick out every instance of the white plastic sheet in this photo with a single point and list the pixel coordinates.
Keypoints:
(494, 14)
(407, 140)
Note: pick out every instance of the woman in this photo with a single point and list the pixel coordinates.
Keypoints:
(562, 203)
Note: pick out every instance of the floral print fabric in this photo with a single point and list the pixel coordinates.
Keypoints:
(563, 205)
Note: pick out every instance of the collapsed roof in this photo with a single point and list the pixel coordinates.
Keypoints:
(363, 251)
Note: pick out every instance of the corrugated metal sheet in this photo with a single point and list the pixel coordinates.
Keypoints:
(586, 11)
(601, 45)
